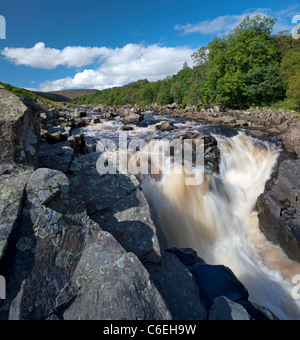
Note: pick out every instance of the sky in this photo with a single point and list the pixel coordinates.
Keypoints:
(63, 44)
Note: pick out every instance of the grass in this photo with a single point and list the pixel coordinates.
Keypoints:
(19, 92)
(24, 93)
(285, 105)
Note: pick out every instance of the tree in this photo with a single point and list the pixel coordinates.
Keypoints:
(185, 66)
(201, 56)
(293, 92)
(237, 58)
(263, 86)
(290, 64)
(284, 43)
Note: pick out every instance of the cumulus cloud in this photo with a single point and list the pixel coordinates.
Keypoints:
(40, 56)
(111, 67)
(114, 67)
(226, 23)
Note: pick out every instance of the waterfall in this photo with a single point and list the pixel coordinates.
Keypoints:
(218, 219)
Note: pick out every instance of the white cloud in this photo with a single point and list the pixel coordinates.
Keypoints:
(125, 65)
(226, 23)
(41, 56)
(114, 67)
(220, 25)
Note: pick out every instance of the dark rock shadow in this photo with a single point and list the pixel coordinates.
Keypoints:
(18, 263)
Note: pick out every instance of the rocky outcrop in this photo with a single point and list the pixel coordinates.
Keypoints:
(177, 287)
(279, 208)
(110, 284)
(221, 293)
(13, 180)
(59, 156)
(118, 205)
(225, 309)
(62, 264)
(291, 139)
(164, 126)
(19, 129)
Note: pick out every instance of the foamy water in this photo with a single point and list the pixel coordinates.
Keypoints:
(218, 220)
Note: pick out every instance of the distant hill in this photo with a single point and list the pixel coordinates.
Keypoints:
(72, 94)
(52, 96)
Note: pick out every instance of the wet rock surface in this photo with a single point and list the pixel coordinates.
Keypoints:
(279, 208)
(222, 295)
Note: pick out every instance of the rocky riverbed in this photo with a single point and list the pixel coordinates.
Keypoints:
(75, 244)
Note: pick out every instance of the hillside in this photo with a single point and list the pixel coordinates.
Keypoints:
(64, 95)
(72, 94)
(52, 96)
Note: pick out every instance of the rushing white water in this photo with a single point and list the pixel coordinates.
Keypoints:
(218, 220)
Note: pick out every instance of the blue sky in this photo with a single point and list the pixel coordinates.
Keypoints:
(53, 45)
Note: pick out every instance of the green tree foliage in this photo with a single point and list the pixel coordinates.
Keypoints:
(284, 43)
(290, 70)
(290, 64)
(263, 86)
(293, 92)
(241, 61)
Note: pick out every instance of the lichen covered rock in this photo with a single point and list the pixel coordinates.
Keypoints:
(19, 129)
(13, 180)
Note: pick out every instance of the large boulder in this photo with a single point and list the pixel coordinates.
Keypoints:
(225, 309)
(132, 118)
(291, 139)
(19, 129)
(62, 265)
(110, 284)
(178, 288)
(279, 209)
(164, 126)
(13, 180)
(118, 205)
(220, 292)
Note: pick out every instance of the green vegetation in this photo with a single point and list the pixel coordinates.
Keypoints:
(45, 97)
(19, 92)
(243, 67)
(290, 70)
